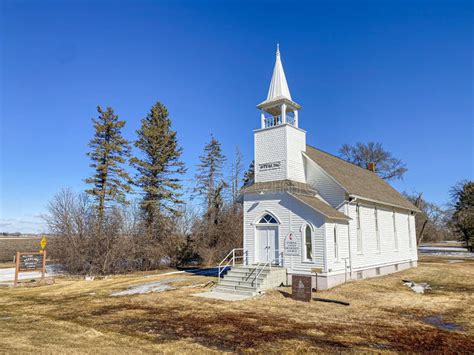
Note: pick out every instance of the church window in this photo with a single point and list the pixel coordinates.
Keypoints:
(377, 231)
(268, 219)
(308, 244)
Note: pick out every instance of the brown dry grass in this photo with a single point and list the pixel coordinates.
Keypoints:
(76, 316)
(7, 265)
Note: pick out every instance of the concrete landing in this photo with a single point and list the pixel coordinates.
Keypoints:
(222, 296)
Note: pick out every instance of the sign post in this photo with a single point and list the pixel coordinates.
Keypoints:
(29, 262)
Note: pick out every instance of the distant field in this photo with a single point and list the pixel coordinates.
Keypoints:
(10, 245)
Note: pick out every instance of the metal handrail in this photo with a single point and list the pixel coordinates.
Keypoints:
(255, 269)
(232, 252)
(269, 263)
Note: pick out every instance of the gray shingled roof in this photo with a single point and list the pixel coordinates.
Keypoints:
(279, 186)
(320, 206)
(300, 191)
(358, 181)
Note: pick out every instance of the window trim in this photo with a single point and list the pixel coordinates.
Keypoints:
(305, 228)
(410, 242)
(336, 243)
(263, 214)
(377, 230)
(359, 230)
(395, 232)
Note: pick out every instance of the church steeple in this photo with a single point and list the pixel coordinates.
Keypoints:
(278, 86)
(278, 105)
(279, 142)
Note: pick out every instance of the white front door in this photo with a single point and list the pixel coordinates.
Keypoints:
(267, 245)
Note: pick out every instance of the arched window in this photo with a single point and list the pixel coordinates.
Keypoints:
(336, 246)
(308, 243)
(268, 219)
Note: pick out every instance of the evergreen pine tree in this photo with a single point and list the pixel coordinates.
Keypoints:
(463, 216)
(209, 174)
(159, 166)
(109, 150)
(249, 175)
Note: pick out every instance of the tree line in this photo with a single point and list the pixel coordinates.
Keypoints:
(128, 221)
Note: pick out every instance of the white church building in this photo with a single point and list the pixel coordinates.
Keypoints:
(309, 212)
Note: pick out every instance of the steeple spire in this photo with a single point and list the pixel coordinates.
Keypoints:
(278, 85)
(279, 105)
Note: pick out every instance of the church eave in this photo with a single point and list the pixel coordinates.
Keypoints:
(277, 102)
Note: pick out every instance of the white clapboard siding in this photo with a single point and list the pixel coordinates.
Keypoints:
(283, 144)
(293, 216)
(388, 253)
(332, 192)
(270, 146)
(337, 263)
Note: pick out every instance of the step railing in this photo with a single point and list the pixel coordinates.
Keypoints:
(230, 259)
(279, 259)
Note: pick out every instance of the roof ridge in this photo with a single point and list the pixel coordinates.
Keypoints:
(363, 169)
(345, 161)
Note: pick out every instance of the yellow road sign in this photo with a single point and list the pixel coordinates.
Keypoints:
(43, 243)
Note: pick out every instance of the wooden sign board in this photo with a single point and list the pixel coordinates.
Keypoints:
(301, 288)
(27, 262)
(31, 262)
(317, 270)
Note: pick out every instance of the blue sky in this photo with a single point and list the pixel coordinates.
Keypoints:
(397, 72)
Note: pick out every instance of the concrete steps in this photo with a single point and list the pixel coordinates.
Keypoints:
(241, 280)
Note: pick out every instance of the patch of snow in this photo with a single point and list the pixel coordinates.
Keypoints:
(8, 274)
(157, 286)
(417, 287)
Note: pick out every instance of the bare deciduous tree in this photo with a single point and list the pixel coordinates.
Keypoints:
(386, 166)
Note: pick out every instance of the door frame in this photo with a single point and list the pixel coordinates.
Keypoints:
(258, 228)
(258, 225)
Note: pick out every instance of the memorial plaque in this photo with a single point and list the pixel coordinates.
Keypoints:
(301, 288)
(31, 262)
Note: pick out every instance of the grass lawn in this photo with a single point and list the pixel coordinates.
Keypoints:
(77, 316)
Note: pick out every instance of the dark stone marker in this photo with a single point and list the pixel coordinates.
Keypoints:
(301, 288)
